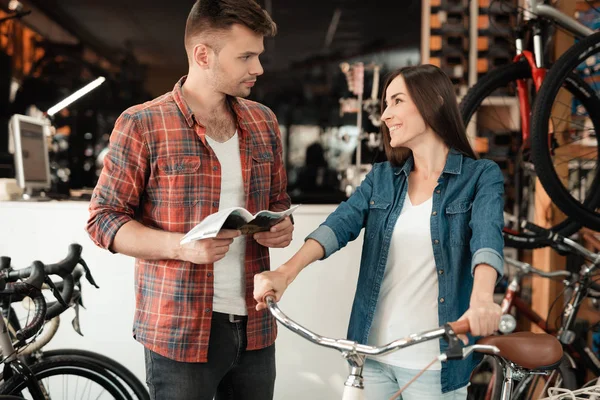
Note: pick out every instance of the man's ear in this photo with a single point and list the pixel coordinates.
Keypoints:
(201, 55)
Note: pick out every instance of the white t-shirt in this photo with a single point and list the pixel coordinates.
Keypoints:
(229, 272)
(409, 292)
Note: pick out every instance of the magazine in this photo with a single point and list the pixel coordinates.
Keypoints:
(236, 218)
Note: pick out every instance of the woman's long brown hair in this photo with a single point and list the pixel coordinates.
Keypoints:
(433, 94)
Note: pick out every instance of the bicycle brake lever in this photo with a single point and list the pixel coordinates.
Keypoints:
(482, 348)
(55, 291)
(455, 346)
(466, 351)
(75, 321)
(88, 273)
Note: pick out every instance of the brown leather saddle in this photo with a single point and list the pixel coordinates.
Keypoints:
(535, 351)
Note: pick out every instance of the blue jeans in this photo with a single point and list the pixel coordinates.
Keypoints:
(382, 381)
(230, 373)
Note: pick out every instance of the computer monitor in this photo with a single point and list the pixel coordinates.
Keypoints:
(29, 137)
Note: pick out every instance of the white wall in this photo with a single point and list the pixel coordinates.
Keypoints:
(320, 298)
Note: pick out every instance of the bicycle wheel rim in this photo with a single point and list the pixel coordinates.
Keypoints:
(580, 126)
(131, 383)
(100, 383)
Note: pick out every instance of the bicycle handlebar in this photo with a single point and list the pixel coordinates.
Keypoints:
(61, 268)
(64, 268)
(344, 345)
(31, 287)
(558, 242)
(528, 268)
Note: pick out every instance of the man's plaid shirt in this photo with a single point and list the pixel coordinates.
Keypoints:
(160, 171)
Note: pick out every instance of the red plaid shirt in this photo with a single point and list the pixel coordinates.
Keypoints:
(160, 171)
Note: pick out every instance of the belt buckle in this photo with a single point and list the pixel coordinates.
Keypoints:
(232, 318)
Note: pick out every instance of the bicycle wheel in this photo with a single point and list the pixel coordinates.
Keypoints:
(68, 378)
(131, 383)
(498, 90)
(564, 132)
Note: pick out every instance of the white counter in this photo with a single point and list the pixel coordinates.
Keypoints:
(320, 298)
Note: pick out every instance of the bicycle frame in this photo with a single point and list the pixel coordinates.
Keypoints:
(533, 10)
(537, 8)
(512, 299)
(12, 365)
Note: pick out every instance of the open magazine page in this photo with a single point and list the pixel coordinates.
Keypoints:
(264, 220)
(211, 225)
(235, 218)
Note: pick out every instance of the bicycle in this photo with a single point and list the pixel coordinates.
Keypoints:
(520, 353)
(579, 357)
(509, 89)
(108, 375)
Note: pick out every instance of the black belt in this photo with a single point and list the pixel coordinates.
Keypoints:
(233, 318)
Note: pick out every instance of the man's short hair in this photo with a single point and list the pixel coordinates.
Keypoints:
(208, 17)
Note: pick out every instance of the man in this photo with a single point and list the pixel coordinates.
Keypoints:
(172, 162)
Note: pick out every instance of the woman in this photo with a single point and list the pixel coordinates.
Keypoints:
(433, 242)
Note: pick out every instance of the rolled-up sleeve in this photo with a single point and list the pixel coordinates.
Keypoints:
(487, 219)
(116, 196)
(346, 222)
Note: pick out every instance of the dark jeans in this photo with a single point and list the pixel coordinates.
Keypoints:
(230, 373)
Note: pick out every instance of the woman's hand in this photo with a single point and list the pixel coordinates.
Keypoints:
(483, 315)
(272, 283)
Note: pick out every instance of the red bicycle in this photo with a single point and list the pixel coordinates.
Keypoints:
(498, 107)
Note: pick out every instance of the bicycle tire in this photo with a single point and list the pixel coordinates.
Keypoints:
(111, 365)
(501, 77)
(67, 366)
(128, 379)
(559, 74)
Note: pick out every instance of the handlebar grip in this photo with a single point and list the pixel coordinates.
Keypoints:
(530, 226)
(32, 287)
(269, 294)
(66, 294)
(460, 327)
(38, 319)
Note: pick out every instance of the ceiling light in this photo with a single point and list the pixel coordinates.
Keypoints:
(73, 97)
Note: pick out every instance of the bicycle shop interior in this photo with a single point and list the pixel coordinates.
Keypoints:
(323, 76)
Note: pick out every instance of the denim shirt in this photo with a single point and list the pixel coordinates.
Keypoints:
(466, 230)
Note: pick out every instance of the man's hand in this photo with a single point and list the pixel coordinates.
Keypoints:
(280, 235)
(207, 251)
